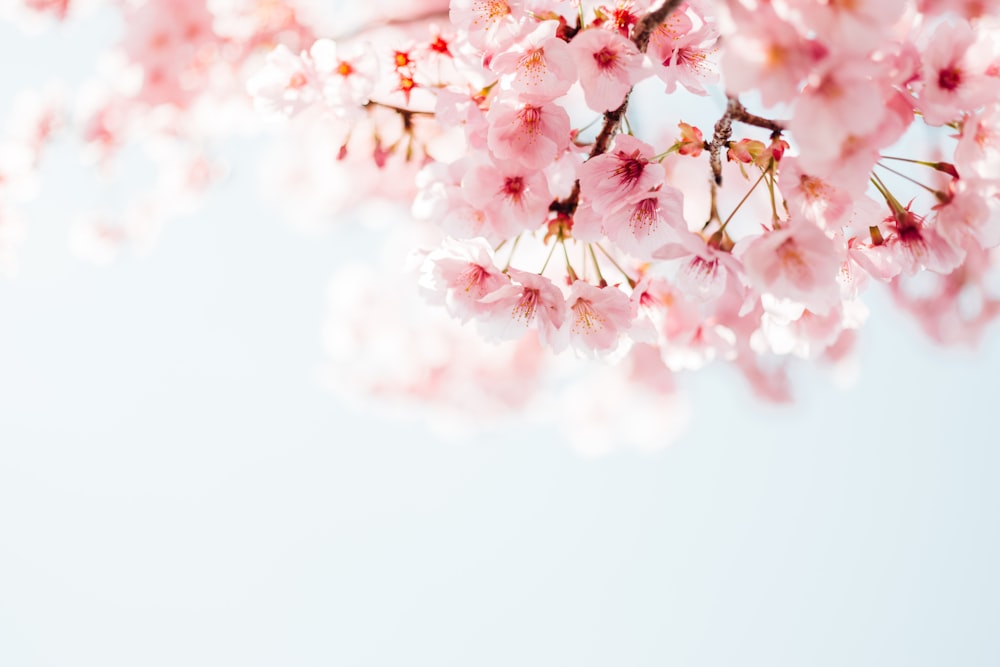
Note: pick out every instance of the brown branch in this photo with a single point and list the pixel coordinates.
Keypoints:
(744, 116)
(644, 29)
(612, 119)
(724, 132)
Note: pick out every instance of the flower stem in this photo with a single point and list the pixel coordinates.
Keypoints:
(569, 264)
(546, 264)
(631, 283)
(513, 249)
(597, 267)
(910, 179)
(753, 187)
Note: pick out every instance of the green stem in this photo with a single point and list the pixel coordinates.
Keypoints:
(546, 264)
(569, 264)
(909, 178)
(763, 173)
(597, 267)
(631, 283)
(513, 249)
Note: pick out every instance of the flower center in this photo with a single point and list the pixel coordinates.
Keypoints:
(792, 261)
(513, 187)
(492, 10)
(530, 117)
(949, 78)
(605, 58)
(587, 319)
(474, 277)
(629, 168)
(644, 218)
(524, 309)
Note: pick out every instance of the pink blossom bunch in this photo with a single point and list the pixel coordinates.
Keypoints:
(654, 184)
(589, 239)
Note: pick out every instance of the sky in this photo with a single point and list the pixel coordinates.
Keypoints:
(178, 486)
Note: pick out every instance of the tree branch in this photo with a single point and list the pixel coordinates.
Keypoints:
(724, 132)
(612, 119)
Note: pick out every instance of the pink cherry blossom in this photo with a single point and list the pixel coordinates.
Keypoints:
(971, 210)
(286, 85)
(663, 315)
(805, 333)
(459, 274)
(463, 110)
(841, 99)
(908, 245)
(529, 300)
(488, 22)
(767, 54)
(533, 136)
(623, 174)
(642, 227)
(811, 198)
(539, 67)
(955, 308)
(856, 25)
(978, 149)
(348, 74)
(514, 197)
(797, 262)
(968, 9)
(685, 55)
(706, 271)
(596, 317)
(954, 74)
(847, 165)
(608, 66)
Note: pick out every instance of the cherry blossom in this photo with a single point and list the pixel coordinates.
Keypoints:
(596, 317)
(461, 274)
(529, 300)
(533, 136)
(684, 54)
(608, 65)
(954, 73)
(540, 67)
(797, 262)
(623, 174)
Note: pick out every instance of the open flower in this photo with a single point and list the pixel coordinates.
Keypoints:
(797, 262)
(459, 274)
(528, 301)
(596, 317)
(608, 65)
(622, 175)
(531, 135)
(539, 67)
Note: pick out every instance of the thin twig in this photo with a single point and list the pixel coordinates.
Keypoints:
(402, 111)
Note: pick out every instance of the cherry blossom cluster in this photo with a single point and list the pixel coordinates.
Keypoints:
(641, 187)
(744, 236)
